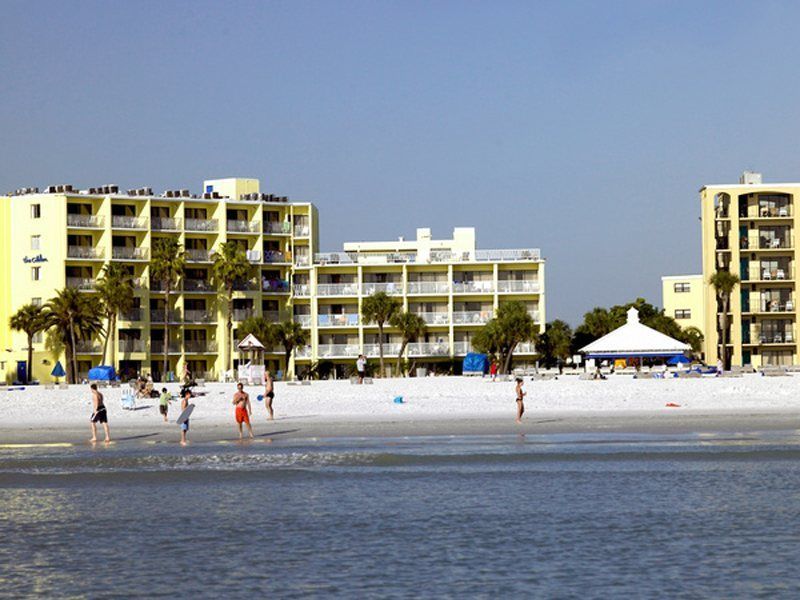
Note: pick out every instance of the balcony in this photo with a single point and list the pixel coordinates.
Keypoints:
(301, 260)
(240, 314)
(133, 315)
(337, 289)
(352, 258)
(165, 224)
(774, 243)
(337, 350)
(345, 320)
(776, 306)
(525, 348)
(254, 256)
(521, 254)
(390, 349)
(273, 316)
(246, 286)
(784, 336)
(473, 287)
(202, 225)
(435, 318)
(198, 254)
(302, 351)
(773, 212)
(428, 349)
(159, 315)
(276, 256)
(85, 221)
(770, 274)
(201, 286)
(462, 348)
(199, 346)
(277, 228)
(236, 226)
(516, 287)
(87, 347)
(199, 316)
(534, 315)
(472, 317)
(128, 346)
(275, 286)
(85, 252)
(126, 253)
(80, 283)
(303, 320)
(301, 289)
(157, 347)
(392, 288)
(118, 222)
(428, 287)
(302, 231)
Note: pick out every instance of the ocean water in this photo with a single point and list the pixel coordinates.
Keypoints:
(577, 516)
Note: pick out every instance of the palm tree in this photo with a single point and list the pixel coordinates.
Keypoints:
(75, 316)
(264, 329)
(167, 265)
(230, 267)
(500, 336)
(29, 319)
(115, 290)
(724, 283)
(290, 334)
(411, 327)
(379, 309)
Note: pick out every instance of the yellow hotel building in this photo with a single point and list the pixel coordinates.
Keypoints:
(63, 237)
(748, 229)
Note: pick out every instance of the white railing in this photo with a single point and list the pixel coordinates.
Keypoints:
(198, 254)
(302, 231)
(157, 347)
(337, 289)
(128, 222)
(428, 287)
(157, 315)
(351, 258)
(435, 318)
(334, 258)
(200, 346)
(303, 320)
(237, 226)
(390, 349)
(126, 253)
(337, 350)
(274, 286)
(513, 286)
(534, 315)
(275, 256)
(393, 288)
(201, 225)
(302, 351)
(278, 227)
(254, 256)
(301, 289)
(199, 316)
(345, 320)
(473, 287)
(197, 285)
(525, 348)
(84, 252)
(87, 221)
(80, 283)
(436, 256)
(461, 348)
(428, 349)
(301, 260)
(240, 314)
(132, 346)
(472, 317)
(508, 255)
(165, 223)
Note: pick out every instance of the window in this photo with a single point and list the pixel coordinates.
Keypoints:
(36, 242)
(683, 313)
(36, 273)
(682, 287)
(36, 211)
(38, 337)
(36, 301)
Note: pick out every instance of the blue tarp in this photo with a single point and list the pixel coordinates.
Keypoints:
(475, 363)
(102, 373)
(678, 359)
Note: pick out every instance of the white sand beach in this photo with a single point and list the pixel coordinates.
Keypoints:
(432, 406)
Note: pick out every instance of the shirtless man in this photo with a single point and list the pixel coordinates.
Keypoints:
(269, 393)
(99, 414)
(243, 410)
(520, 396)
(187, 394)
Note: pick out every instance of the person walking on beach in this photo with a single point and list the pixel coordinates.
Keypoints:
(241, 401)
(99, 414)
(185, 425)
(269, 393)
(163, 403)
(520, 396)
(361, 367)
(493, 370)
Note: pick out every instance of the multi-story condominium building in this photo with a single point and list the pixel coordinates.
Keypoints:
(683, 299)
(748, 230)
(62, 237)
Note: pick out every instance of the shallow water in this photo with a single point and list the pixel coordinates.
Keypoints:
(539, 516)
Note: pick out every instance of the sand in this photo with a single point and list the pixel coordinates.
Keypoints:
(431, 406)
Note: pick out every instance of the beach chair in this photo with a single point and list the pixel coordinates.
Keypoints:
(128, 401)
(200, 382)
(49, 386)
(115, 383)
(63, 385)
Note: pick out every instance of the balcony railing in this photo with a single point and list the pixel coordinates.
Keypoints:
(301, 260)
(157, 347)
(201, 225)
(240, 314)
(393, 288)
(462, 348)
(276, 256)
(472, 317)
(165, 224)
(780, 336)
(198, 285)
(521, 254)
(85, 221)
(473, 287)
(775, 211)
(337, 289)
(771, 274)
(127, 346)
(337, 350)
(303, 320)
(428, 287)
(198, 254)
(246, 286)
(302, 351)
(435, 318)
(428, 349)
(158, 315)
(771, 243)
(84, 252)
(777, 306)
(133, 315)
(236, 226)
(87, 347)
(525, 348)
(254, 256)
(273, 316)
(119, 222)
(127, 253)
(390, 349)
(351, 258)
(191, 315)
(278, 227)
(275, 286)
(80, 283)
(516, 286)
(534, 315)
(200, 346)
(345, 320)
(301, 289)
(302, 231)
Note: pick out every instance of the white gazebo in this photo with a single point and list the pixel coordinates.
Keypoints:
(634, 340)
(251, 372)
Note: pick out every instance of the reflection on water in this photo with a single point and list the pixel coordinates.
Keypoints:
(679, 516)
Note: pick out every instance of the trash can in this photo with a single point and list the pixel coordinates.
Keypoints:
(422, 372)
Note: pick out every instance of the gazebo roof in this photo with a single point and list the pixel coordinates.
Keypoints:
(634, 339)
(250, 343)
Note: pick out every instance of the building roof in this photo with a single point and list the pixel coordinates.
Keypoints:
(634, 339)
(250, 343)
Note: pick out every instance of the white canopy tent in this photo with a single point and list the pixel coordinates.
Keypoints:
(634, 340)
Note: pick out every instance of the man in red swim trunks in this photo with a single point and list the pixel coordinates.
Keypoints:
(243, 410)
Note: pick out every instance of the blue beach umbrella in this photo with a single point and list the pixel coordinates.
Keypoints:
(58, 370)
(678, 359)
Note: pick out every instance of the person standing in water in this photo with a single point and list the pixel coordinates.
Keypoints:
(269, 393)
(99, 414)
(185, 425)
(520, 397)
(163, 403)
(243, 411)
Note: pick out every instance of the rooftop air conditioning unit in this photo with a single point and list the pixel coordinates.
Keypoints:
(51, 189)
(131, 192)
(750, 178)
(113, 189)
(185, 193)
(206, 196)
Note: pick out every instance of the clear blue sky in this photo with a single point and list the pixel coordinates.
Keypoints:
(582, 128)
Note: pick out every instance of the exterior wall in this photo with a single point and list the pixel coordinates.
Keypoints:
(693, 300)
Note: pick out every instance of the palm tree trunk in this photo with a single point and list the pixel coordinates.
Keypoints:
(380, 348)
(288, 354)
(509, 356)
(400, 356)
(113, 334)
(166, 331)
(68, 360)
(74, 353)
(229, 345)
(29, 372)
(105, 340)
(724, 335)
